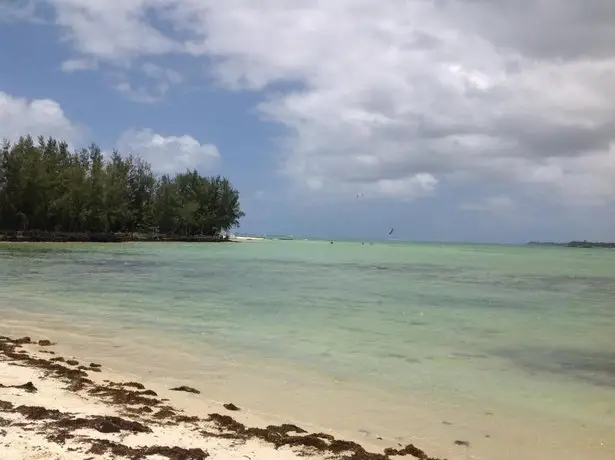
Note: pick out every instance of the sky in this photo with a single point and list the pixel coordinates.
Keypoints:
(449, 120)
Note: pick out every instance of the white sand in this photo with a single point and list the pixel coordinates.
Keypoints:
(246, 238)
(23, 439)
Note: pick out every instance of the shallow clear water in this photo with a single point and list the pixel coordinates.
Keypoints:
(527, 330)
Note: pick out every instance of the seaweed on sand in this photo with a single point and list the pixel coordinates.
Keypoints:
(134, 398)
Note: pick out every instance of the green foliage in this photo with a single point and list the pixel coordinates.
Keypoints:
(43, 186)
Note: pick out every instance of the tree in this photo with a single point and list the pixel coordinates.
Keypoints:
(45, 187)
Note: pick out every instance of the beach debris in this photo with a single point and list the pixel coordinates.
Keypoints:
(89, 369)
(45, 343)
(231, 406)
(76, 385)
(186, 389)
(286, 428)
(165, 412)
(410, 449)
(22, 340)
(462, 443)
(226, 422)
(29, 387)
(286, 436)
(140, 410)
(187, 419)
(8, 348)
(102, 424)
(103, 446)
(95, 366)
(72, 362)
(38, 413)
(122, 396)
(5, 406)
(137, 385)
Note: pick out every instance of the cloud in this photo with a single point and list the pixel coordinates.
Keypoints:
(45, 117)
(574, 29)
(37, 117)
(158, 81)
(19, 10)
(141, 94)
(156, 72)
(73, 65)
(112, 31)
(398, 98)
(494, 204)
(168, 155)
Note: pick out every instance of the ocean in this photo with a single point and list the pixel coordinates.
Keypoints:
(510, 348)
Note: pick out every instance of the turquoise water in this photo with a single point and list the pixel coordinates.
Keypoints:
(527, 330)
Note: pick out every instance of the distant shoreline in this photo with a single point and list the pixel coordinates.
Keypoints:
(74, 237)
(575, 244)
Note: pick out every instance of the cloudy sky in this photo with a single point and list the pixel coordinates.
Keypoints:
(474, 120)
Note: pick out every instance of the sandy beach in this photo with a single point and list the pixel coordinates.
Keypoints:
(240, 239)
(55, 407)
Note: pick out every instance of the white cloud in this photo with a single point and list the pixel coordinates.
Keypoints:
(73, 65)
(383, 95)
(37, 117)
(168, 155)
(111, 30)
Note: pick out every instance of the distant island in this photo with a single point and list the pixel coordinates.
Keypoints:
(575, 244)
(48, 193)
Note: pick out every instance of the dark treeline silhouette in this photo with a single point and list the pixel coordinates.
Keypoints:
(46, 188)
(576, 244)
(591, 244)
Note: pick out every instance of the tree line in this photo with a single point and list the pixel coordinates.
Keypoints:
(46, 187)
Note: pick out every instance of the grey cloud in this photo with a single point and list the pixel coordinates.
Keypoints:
(543, 138)
(548, 29)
